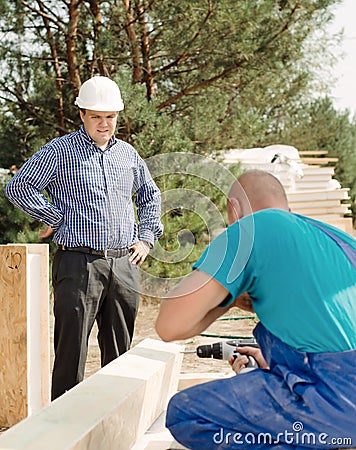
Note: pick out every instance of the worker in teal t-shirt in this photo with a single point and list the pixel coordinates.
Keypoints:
(299, 276)
(309, 300)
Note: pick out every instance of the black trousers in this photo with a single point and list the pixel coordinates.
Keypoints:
(88, 288)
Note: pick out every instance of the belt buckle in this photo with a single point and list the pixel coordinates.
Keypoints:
(105, 253)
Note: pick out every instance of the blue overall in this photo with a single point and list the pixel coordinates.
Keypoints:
(306, 400)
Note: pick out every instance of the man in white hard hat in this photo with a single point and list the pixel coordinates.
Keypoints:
(90, 176)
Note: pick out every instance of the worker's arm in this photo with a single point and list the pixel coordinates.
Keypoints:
(191, 307)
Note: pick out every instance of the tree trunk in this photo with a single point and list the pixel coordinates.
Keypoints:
(145, 49)
(134, 44)
(71, 42)
(97, 25)
(55, 62)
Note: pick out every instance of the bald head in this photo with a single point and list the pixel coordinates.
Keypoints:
(255, 190)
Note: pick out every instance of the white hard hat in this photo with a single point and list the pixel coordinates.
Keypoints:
(100, 94)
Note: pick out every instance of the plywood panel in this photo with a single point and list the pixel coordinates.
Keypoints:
(24, 331)
(13, 335)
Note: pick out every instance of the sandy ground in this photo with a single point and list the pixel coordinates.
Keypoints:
(191, 362)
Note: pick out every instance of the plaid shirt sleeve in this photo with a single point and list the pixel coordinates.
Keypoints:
(148, 202)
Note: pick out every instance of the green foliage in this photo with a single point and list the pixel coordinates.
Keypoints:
(196, 76)
(15, 226)
(150, 131)
(194, 212)
(222, 69)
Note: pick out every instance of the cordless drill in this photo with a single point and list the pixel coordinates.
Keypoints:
(226, 349)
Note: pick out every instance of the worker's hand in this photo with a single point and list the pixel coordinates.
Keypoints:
(239, 363)
(139, 250)
(46, 232)
(243, 302)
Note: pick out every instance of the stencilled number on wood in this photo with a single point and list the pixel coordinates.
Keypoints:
(14, 260)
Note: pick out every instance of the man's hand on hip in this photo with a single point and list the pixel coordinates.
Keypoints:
(46, 232)
(139, 250)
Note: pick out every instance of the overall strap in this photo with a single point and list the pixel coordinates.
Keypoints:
(349, 251)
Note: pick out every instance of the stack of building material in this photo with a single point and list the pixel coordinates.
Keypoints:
(112, 409)
(307, 178)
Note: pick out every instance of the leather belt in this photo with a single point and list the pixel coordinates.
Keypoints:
(109, 253)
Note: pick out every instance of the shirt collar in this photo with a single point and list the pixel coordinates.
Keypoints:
(89, 140)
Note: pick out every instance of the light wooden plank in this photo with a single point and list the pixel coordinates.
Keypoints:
(313, 170)
(314, 204)
(327, 217)
(342, 194)
(39, 338)
(312, 152)
(306, 185)
(111, 409)
(341, 210)
(321, 161)
(315, 178)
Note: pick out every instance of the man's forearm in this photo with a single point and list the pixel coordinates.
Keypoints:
(201, 326)
(33, 203)
(190, 307)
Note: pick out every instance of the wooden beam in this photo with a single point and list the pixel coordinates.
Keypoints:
(340, 209)
(314, 204)
(313, 152)
(111, 409)
(158, 437)
(323, 161)
(342, 194)
(314, 170)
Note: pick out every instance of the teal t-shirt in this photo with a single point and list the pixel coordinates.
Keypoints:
(302, 285)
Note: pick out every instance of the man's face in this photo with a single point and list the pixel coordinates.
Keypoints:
(100, 125)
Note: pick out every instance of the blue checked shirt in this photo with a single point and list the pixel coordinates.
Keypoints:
(91, 193)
